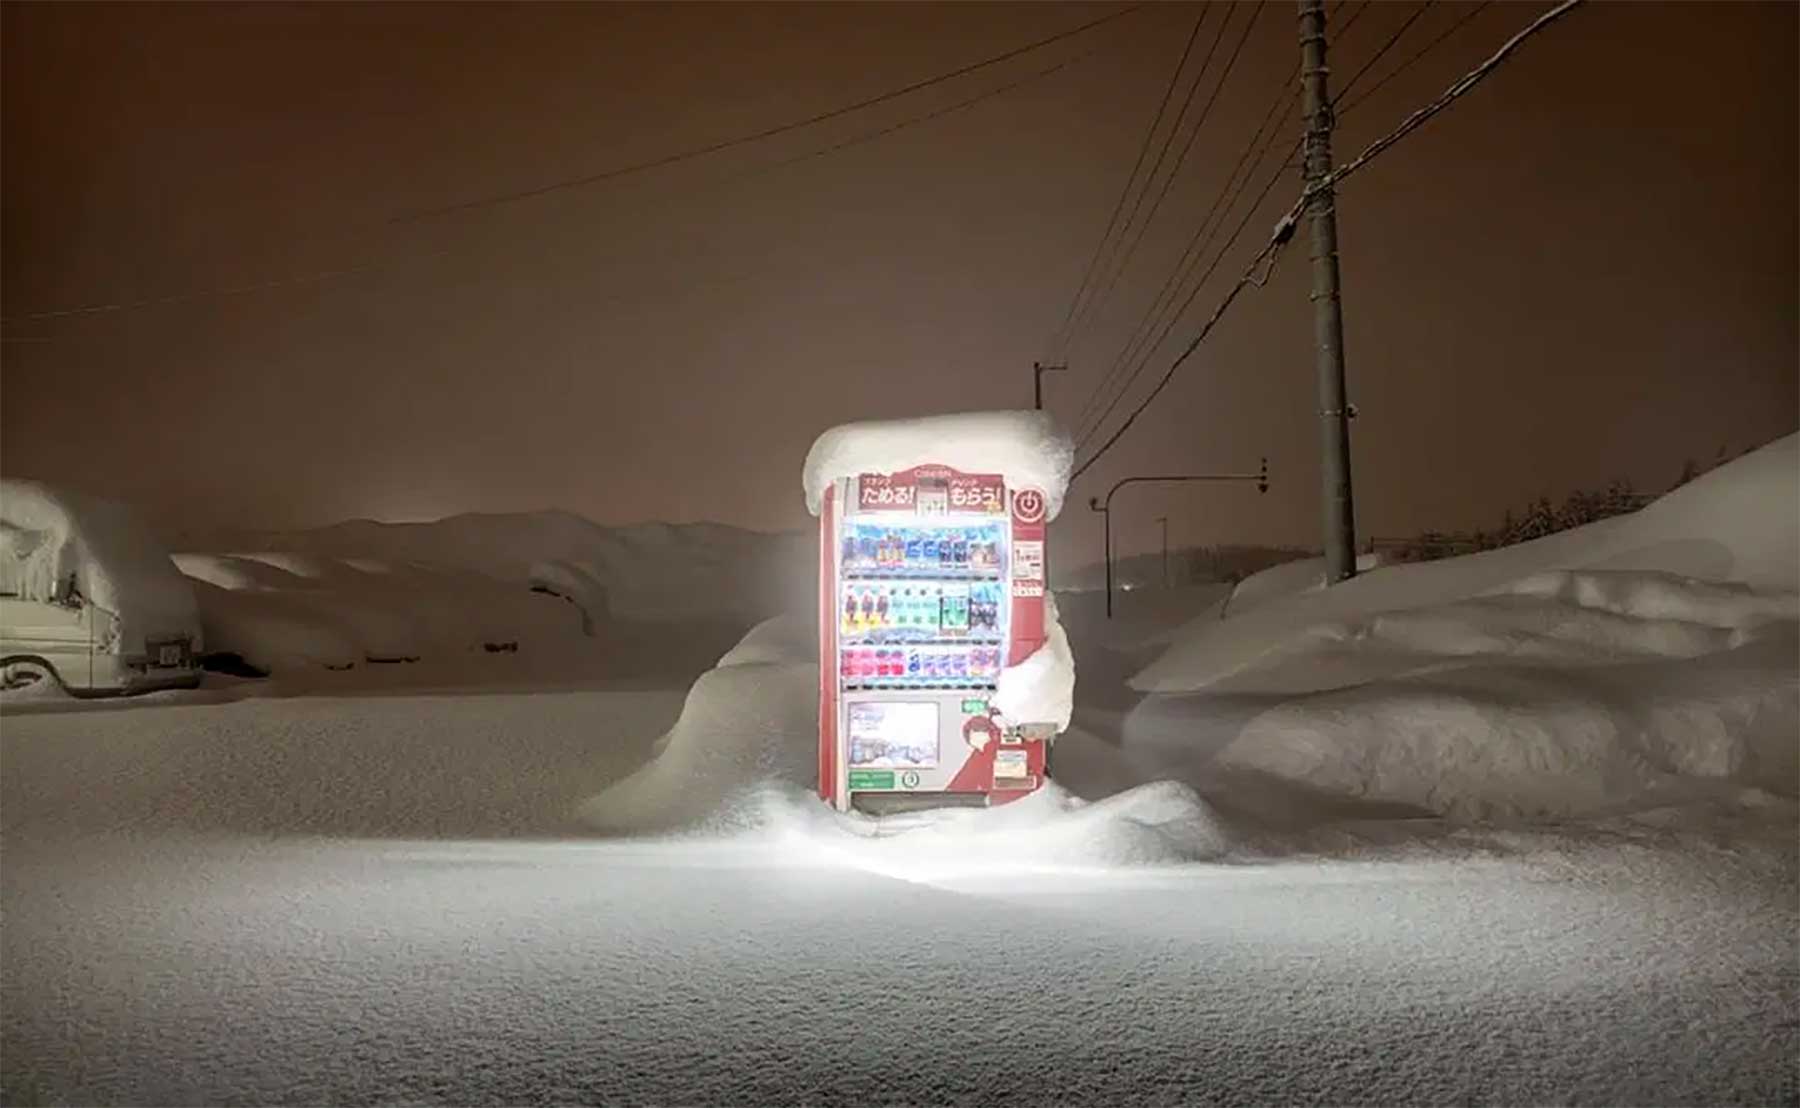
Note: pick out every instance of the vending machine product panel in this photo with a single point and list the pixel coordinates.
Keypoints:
(931, 584)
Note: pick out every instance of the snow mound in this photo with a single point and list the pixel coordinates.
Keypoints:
(1041, 689)
(1048, 832)
(1644, 660)
(648, 571)
(1028, 449)
(781, 640)
(49, 534)
(547, 585)
(282, 610)
(742, 761)
(1535, 741)
(742, 726)
(1738, 525)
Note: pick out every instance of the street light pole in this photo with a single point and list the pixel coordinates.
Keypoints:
(1261, 477)
(1038, 369)
(1164, 520)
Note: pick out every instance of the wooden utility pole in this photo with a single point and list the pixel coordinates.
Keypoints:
(1328, 316)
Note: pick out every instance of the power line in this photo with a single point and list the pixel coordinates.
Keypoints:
(756, 136)
(1119, 205)
(1196, 248)
(1284, 230)
(1276, 241)
(322, 276)
(1205, 112)
(1450, 95)
(1416, 55)
(1086, 311)
(1184, 267)
(1385, 47)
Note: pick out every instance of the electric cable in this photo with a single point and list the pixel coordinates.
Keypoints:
(756, 136)
(1130, 251)
(1285, 228)
(1125, 192)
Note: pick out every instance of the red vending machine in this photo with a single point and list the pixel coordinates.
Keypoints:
(932, 581)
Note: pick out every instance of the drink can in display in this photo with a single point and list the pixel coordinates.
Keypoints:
(959, 664)
(912, 664)
(928, 549)
(912, 549)
(961, 543)
(896, 666)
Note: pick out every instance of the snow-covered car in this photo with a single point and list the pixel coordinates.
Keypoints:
(88, 597)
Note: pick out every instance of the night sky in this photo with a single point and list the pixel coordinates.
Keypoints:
(1585, 269)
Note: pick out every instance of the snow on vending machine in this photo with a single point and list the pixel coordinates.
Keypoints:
(932, 581)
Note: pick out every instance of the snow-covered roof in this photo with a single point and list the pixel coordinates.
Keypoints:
(1027, 448)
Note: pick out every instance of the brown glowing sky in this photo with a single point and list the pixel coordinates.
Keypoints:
(1585, 269)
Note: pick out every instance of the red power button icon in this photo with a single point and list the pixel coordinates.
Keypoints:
(1028, 505)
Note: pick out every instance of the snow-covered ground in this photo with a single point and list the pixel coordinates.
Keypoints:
(546, 882)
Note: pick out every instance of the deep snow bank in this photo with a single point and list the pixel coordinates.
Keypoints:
(541, 583)
(1582, 674)
(743, 761)
(1739, 524)
(1506, 741)
(49, 534)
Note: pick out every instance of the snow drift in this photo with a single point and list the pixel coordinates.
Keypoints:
(49, 534)
(544, 583)
(742, 761)
(1738, 524)
(1589, 672)
(1026, 448)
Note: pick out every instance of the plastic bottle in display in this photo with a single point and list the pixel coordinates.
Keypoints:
(960, 559)
(881, 609)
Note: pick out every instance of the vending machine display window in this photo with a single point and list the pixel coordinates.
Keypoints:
(885, 734)
(931, 583)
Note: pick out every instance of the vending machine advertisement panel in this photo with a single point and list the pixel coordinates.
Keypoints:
(931, 583)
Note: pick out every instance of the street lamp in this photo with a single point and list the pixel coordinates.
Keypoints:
(1261, 478)
(1038, 369)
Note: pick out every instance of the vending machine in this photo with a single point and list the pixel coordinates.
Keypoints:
(932, 582)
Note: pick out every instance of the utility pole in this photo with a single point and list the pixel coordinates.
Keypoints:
(1164, 520)
(1037, 383)
(1328, 315)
